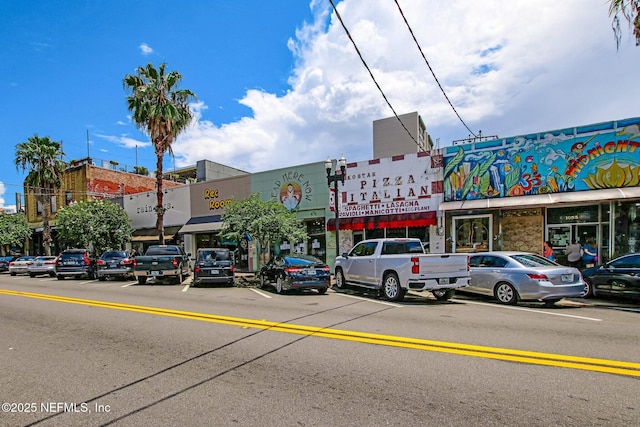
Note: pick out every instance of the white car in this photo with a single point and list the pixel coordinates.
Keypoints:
(20, 265)
(42, 265)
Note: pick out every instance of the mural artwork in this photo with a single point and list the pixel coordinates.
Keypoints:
(546, 163)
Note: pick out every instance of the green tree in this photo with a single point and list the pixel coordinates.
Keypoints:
(141, 170)
(14, 231)
(100, 224)
(161, 110)
(629, 10)
(267, 222)
(42, 157)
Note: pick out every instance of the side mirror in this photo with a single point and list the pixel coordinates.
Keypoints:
(345, 255)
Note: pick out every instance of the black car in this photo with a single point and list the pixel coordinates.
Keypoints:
(619, 277)
(296, 271)
(213, 266)
(114, 264)
(5, 260)
(75, 263)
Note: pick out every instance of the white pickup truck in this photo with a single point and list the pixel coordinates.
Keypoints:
(394, 266)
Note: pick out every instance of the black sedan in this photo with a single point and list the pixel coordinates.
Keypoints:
(117, 264)
(296, 271)
(619, 277)
(4, 262)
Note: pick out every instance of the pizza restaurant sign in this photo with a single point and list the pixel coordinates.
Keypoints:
(388, 187)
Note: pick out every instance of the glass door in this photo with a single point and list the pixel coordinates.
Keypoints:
(472, 233)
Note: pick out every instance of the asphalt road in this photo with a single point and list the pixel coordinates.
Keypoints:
(89, 353)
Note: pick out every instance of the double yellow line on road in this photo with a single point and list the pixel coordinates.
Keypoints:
(521, 356)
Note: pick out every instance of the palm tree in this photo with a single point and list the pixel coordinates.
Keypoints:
(161, 110)
(629, 9)
(43, 158)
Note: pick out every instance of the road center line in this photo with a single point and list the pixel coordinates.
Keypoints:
(496, 353)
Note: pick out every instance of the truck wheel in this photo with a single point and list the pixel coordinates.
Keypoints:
(340, 284)
(391, 289)
(443, 294)
(142, 280)
(505, 293)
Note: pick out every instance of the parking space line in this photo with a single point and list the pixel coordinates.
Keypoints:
(186, 288)
(528, 309)
(370, 300)
(260, 293)
(126, 285)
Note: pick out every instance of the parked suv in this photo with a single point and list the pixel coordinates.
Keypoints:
(213, 266)
(75, 263)
(115, 264)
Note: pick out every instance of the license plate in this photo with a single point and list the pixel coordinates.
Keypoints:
(567, 277)
(155, 273)
(215, 271)
(311, 273)
(443, 281)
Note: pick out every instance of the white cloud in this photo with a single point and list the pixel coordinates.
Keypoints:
(124, 141)
(145, 49)
(509, 67)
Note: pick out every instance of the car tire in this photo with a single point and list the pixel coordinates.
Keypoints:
(443, 294)
(52, 274)
(322, 291)
(59, 277)
(391, 289)
(279, 285)
(262, 283)
(32, 275)
(340, 284)
(505, 293)
(142, 280)
(102, 278)
(588, 290)
(13, 274)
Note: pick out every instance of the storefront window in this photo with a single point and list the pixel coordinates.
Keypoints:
(627, 228)
(396, 233)
(376, 233)
(472, 233)
(317, 241)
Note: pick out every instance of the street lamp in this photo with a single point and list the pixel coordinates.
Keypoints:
(335, 178)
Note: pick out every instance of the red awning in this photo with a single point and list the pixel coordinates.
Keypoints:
(417, 219)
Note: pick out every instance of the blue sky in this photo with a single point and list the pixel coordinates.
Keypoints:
(279, 83)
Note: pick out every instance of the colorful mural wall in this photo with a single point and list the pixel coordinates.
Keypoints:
(599, 156)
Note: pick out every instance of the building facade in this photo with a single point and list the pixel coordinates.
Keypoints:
(564, 185)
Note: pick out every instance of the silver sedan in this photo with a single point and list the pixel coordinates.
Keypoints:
(520, 276)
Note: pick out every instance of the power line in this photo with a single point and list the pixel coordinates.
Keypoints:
(430, 69)
(371, 74)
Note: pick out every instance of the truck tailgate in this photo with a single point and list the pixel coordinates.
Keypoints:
(444, 265)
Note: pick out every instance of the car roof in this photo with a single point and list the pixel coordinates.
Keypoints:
(75, 251)
(503, 253)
